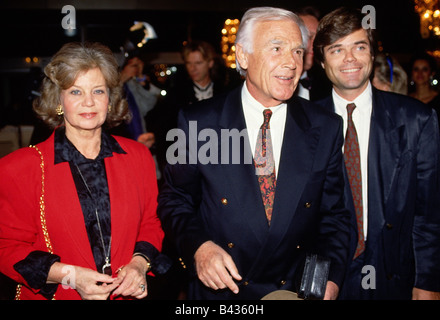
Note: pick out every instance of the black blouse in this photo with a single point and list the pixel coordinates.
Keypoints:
(91, 184)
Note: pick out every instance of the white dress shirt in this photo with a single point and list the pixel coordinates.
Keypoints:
(361, 119)
(253, 115)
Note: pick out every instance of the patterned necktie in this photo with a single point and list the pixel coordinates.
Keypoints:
(265, 165)
(353, 166)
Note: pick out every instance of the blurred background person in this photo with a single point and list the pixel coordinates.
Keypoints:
(203, 67)
(142, 97)
(99, 190)
(203, 76)
(389, 74)
(423, 69)
(313, 84)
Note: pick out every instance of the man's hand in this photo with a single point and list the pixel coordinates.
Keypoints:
(215, 267)
(331, 291)
(419, 294)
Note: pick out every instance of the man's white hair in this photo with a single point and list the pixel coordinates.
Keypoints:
(245, 32)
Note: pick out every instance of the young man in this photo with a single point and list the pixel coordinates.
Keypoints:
(244, 233)
(199, 59)
(391, 154)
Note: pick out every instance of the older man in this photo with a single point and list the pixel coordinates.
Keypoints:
(244, 228)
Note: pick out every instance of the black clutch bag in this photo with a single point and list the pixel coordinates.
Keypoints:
(314, 278)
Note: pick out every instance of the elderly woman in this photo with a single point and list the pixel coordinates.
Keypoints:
(79, 209)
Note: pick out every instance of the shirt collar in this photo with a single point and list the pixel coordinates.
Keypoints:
(363, 102)
(252, 104)
(65, 151)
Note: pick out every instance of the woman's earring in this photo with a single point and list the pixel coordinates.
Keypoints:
(60, 111)
(109, 108)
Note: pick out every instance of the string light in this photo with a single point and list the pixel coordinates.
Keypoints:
(229, 33)
(429, 12)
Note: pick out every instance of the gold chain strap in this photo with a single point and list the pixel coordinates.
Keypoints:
(42, 219)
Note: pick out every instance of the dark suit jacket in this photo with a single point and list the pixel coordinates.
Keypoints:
(403, 237)
(222, 202)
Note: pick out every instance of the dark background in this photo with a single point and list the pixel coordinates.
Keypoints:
(33, 28)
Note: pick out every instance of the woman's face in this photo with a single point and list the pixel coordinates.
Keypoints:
(85, 103)
(421, 72)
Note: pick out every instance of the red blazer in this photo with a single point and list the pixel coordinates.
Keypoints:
(133, 198)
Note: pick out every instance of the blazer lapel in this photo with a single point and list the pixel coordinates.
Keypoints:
(242, 178)
(65, 195)
(297, 155)
(384, 154)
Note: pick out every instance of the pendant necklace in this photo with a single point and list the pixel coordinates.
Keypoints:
(106, 268)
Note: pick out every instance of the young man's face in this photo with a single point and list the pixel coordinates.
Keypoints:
(198, 68)
(348, 64)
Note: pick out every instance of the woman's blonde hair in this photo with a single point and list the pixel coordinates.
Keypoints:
(388, 70)
(62, 71)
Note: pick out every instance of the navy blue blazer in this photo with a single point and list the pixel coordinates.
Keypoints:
(222, 202)
(403, 236)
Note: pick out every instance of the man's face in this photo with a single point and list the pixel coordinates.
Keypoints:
(134, 67)
(275, 65)
(348, 64)
(198, 67)
(311, 24)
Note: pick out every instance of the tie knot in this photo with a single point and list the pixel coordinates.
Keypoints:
(267, 113)
(350, 108)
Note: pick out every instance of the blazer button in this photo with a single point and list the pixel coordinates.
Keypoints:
(224, 201)
(389, 226)
(283, 282)
(307, 205)
(182, 263)
(245, 283)
(231, 245)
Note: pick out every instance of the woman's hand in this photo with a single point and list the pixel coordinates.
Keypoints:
(132, 279)
(90, 284)
(147, 139)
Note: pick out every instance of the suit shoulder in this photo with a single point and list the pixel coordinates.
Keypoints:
(317, 110)
(403, 104)
(24, 162)
(205, 109)
(130, 145)
(22, 155)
